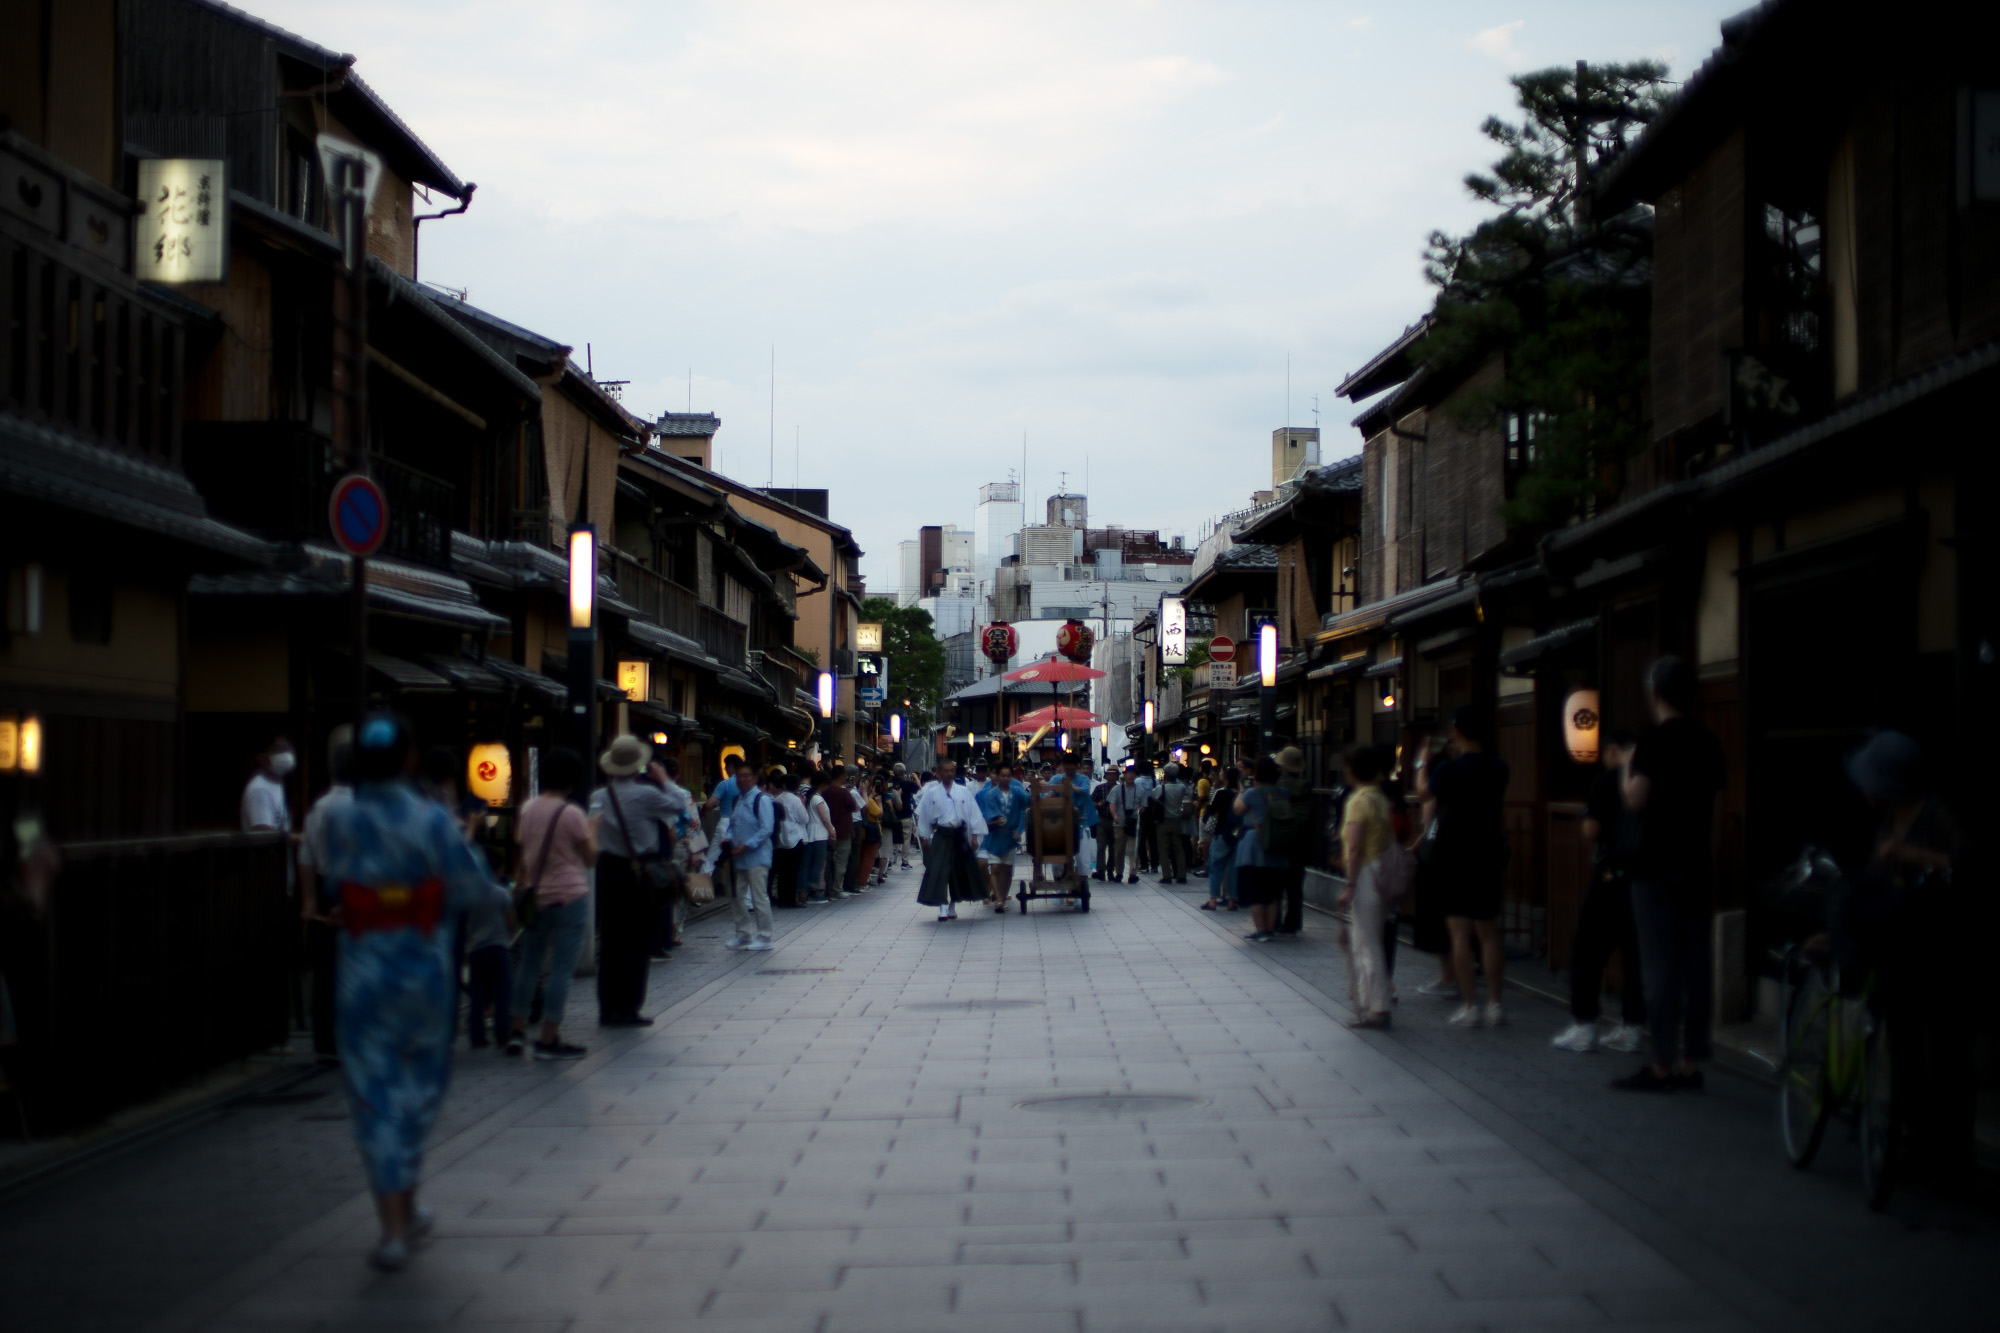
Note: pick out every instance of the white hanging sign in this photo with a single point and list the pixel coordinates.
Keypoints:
(1173, 631)
(183, 236)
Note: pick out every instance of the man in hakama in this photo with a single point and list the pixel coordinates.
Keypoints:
(949, 826)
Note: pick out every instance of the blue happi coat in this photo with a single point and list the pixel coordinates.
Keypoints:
(1009, 803)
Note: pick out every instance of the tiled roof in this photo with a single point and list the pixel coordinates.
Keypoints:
(1248, 556)
(51, 466)
(696, 425)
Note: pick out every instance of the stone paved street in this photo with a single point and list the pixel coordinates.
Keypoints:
(894, 1124)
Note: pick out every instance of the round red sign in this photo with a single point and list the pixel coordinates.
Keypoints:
(1221, 648)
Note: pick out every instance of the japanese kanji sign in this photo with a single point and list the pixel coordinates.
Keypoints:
(183, 236)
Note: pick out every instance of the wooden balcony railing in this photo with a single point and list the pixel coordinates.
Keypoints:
(274, 477)
(673, 607)
(84, 349)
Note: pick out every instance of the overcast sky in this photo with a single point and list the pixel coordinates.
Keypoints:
(1106, 225)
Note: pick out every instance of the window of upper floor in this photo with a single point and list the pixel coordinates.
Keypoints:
(1522, 430)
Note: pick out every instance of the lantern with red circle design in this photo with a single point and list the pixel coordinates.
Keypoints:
(1075, 640)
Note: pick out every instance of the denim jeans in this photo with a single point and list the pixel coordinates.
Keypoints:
(812, 869)
(1221, 862)
(558, 934)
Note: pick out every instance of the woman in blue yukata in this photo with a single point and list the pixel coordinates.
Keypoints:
(404, 875)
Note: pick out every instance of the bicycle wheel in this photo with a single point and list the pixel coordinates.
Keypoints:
(1803, 1102)
(1877, 1117)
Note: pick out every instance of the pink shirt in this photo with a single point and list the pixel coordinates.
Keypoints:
(565, 878)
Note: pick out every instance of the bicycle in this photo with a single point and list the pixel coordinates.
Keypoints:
(1836, 1058)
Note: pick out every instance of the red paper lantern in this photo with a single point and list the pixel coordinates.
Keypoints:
(999, 642)
(1075, 640)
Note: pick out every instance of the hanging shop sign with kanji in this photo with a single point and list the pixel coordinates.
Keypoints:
(184, 233)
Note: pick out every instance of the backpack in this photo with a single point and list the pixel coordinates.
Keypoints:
(1286, 829)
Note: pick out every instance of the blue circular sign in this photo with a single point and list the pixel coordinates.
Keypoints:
(359, 514)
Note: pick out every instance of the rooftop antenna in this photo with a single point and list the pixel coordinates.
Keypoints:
(588, 368)
(1024, 471)
(690, 390)
(1315, 411)
(795, 457)
(1288, 391)
(774, 416)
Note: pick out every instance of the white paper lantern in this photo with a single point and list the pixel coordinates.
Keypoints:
(1581, 724)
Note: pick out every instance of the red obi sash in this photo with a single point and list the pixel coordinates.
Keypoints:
(367, 908)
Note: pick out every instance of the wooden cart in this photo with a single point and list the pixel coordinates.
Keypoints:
(1052, 844)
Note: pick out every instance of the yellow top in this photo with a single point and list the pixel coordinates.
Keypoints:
(1369, 808)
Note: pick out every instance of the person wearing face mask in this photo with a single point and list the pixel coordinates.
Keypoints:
(265, 809)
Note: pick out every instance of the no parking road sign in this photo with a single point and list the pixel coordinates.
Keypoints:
(359, 514)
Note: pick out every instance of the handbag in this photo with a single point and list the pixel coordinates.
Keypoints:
(526, 908)
(700, 888)
(656, 873)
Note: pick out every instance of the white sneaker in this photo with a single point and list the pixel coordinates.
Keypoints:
(1495, 1017)
(1438, 989)
(391, 1256)
(1625, 1039)
(759, 946)
(944, 914)
(734, 942)
(1466, 1017)
(1578, 1037)
(423, 1220)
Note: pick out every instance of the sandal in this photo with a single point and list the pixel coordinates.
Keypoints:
(1208, 906)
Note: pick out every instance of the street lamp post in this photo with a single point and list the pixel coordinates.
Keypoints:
(826, 716)
(583, 637)
(1267, 682)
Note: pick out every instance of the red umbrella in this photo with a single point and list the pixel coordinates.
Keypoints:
(1056, 715)
(1052, 671)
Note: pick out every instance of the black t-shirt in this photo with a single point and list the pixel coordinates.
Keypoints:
(1469, 790)
(1606, 805)
(1684, 768)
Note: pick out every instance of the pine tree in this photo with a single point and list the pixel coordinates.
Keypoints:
(1563, 294)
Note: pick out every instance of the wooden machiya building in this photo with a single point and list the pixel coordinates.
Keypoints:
(108, 906)
(1825, 352)
(1825, 336)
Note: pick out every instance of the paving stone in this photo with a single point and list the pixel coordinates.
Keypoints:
(827, 1152)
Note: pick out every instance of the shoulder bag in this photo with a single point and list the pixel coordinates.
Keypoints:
(525, 905)
(656, 872)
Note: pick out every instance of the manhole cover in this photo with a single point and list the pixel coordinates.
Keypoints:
(966, 1006)
(794, 971)
(1114, 1103)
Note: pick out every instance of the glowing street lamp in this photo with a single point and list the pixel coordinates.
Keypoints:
(583, 636)
(1149, 717)
(1267, 680)
(826, 695)
(582, 576)
(896, 728)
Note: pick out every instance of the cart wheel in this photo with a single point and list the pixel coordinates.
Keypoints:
(1083, 898)
(1023, 897)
